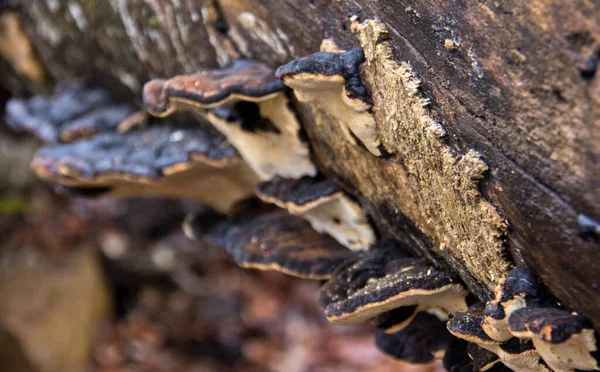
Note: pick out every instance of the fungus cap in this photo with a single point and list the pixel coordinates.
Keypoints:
(73, 111)
(395, 320)
(380, 281)
(267, 239)
(564, 340)
(467, 326)
(282, 242)
(513, 353)
(242, 81)
(332, 82)
(483, 360)
(422, 341)
(238, 101)
(322, 203)
(519, 287)
(518, 355)
(194, 163)
(456, 358)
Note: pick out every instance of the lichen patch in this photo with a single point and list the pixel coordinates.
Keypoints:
(439, 188)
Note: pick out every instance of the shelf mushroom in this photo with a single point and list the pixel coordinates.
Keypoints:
(274, 240)
(564, 340)
(395, 320)
(74, 111)
(249, 106)
(382, 280)
(332, 82)
(515, 354)
(422, 341)
(467, 326)
(327, 207)
(518, 288)
(483, 360)
(285, 243)
(193, 163)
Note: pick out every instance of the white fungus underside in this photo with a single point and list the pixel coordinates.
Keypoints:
(571, 354)
(526, 361)
(448, 299)
(497, 329)
(329, 94)
(271, 154)
(336, 215)
(197, 181)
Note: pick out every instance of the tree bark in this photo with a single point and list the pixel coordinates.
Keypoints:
(503, 169)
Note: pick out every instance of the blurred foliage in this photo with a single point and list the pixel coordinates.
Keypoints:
(12, 205)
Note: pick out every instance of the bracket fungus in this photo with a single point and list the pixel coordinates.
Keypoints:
(564, 340)
(467, 326)
(519, 356)
(158, 160)
(515, 354)
(483, 360)
(422, 341)
(321, 202)
(381, 280)
(332, 82)
(519, 287)
(526, 329)
(272, 241)
(287, 244)
(249, 106)
(456, 358)
(395, 320)
(74, 111)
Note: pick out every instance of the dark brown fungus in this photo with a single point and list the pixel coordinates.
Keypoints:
(211, 226)
(332, 82)
(519, 355)
(282, 242)
(519, 287)
(564, 340)
(74, 111)
(468, 357)
(382, 280)
(248, 105)
(271, 241)
(242, 81)
(395, 320)
(422, 341)
(207, 226)
(322, 203)
(467, 326)
(514, 354)
(354, 274)
(189, 163)
(483, 360)
(456, 358)
(73, 192)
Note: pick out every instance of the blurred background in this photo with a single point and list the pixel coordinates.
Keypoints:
(114, 285)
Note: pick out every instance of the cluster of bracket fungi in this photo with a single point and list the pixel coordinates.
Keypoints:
(248, 160)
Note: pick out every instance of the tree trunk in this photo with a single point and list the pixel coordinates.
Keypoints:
(490, 111)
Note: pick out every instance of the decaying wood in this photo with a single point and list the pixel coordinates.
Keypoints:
(494, 152)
